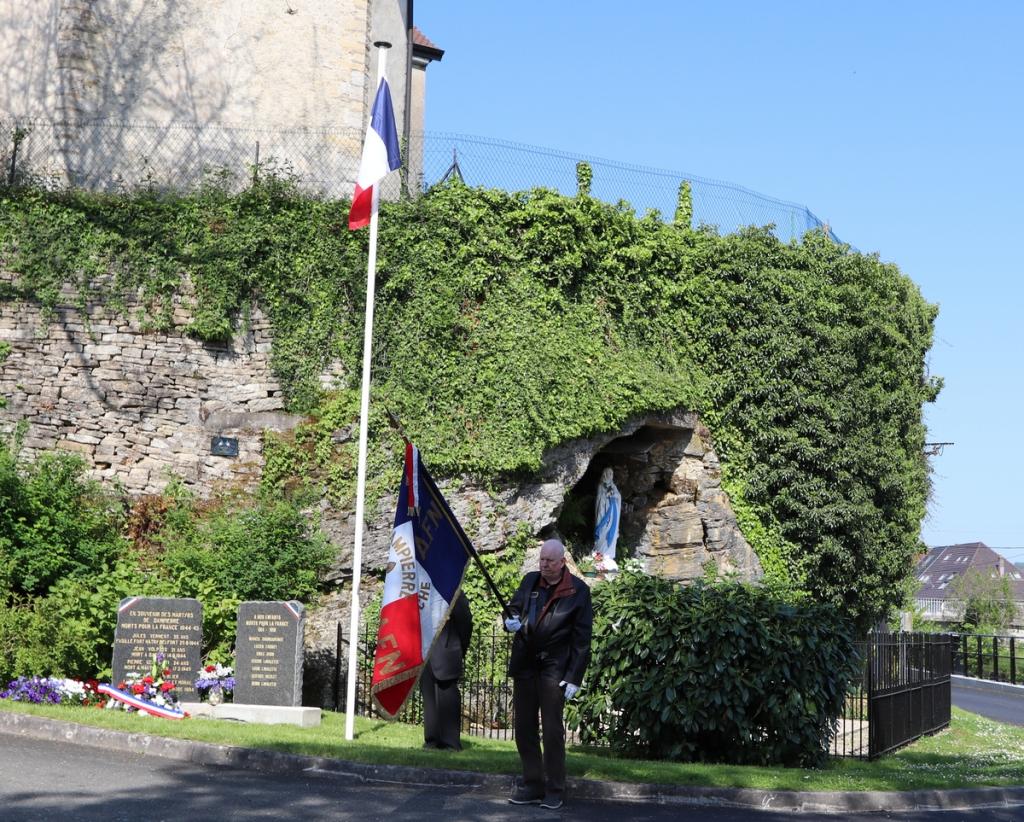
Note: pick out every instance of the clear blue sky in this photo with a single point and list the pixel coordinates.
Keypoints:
(900, 124)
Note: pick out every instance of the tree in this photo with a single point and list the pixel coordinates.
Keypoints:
(988, 600)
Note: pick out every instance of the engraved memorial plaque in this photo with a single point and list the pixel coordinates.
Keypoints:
(268, 658)
(150, 625)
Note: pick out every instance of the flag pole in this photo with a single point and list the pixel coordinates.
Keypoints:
(364, 422)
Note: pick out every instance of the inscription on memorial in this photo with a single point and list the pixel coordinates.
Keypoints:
(150, 625)
(268, 653)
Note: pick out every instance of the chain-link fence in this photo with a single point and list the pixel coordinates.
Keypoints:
(108, 156)
(514, 167)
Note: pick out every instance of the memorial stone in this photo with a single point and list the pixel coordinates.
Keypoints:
(268, 653)
(151, 625)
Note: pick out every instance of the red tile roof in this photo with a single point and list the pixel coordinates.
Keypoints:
(420, 39)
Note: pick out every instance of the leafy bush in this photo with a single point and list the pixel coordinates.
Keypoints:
(260, 549)
(723, 672)
(54, 522)
(70, 630)
(13, 617)
(499, 311)
(220, 614)
(218, 555)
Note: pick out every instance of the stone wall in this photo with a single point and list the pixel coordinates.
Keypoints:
(135, 404)
(139, 405)
(675, 513)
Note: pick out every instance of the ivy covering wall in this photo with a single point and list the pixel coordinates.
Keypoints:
(508, 323)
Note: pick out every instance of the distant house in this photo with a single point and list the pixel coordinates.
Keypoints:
(941, 566)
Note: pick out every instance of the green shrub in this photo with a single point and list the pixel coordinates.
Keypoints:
(54, 522)
(70, 630)
(220, 614)
(13, 616)
(92, 606)
(724, 672)
(64, 566)
(260, 549)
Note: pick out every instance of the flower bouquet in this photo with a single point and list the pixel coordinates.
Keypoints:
(91, 696)
(585, 565)
(215, 683)
(152, 693)
(604, 564)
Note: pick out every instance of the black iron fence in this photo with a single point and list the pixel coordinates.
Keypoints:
(903, 691)
(908, 688)
(989, 656)
(851, 731)
(485, 686)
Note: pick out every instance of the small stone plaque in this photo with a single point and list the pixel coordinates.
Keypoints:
(268, 653)
(150, 625)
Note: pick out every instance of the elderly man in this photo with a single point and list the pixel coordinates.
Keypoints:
(552, 620)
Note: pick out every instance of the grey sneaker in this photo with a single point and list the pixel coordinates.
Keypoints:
(552, 803)
(524, 796)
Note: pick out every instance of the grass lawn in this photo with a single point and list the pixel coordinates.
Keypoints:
(972, 752)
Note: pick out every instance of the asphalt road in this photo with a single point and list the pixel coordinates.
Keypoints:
(1003, 706)
(42, 781)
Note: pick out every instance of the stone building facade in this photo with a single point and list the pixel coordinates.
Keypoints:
(131, 91)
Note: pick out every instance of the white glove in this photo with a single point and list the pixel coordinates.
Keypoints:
(570, 689)
(513, 624)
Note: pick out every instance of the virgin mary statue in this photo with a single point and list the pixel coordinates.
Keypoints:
(606, 514)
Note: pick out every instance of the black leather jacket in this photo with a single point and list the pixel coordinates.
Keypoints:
(559, 646)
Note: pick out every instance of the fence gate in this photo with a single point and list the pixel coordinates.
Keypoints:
(909, 688)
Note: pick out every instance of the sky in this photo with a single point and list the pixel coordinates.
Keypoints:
(899, 124)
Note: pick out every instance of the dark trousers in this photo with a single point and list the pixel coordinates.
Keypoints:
(442, 711)
(542, 774)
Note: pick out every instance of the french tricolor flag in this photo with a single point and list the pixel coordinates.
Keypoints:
(426, 562)
(381, 156)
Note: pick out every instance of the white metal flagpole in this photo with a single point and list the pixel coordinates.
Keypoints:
(364, 421)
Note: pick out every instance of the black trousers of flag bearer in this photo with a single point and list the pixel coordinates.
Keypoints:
(553, 621)
(439, 682)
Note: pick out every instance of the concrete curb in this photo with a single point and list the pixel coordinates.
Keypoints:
(987, 685)
(203, 753)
